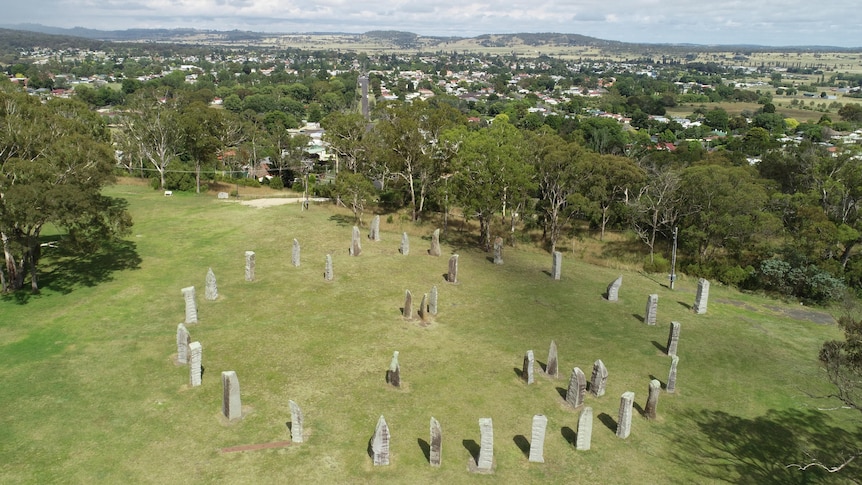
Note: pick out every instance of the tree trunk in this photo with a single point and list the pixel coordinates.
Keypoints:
(845, 256)
(198, 177)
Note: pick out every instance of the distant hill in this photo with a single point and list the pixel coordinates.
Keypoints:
(381, 38)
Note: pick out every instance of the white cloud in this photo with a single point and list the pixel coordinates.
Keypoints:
(767, 22)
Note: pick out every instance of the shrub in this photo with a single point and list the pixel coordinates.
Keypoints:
(658, 264)
(276, 183)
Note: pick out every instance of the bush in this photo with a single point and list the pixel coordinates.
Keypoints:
(276, 183)
(658, 264)
(808, 283)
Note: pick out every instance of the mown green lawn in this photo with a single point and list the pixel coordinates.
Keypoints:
(91, 394)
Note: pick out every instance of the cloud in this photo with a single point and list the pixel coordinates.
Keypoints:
(767, 22)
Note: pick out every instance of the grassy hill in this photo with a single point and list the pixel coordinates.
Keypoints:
(91, 392)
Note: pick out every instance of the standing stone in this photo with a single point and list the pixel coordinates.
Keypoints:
(195, 356)
(380, 443)
(527, 372)
(295, 422)
(557, 265)
(537, 441)
(408, 305)
(624, 421)
(294, 255)
(671, 377)
(435, 244)
(435, 457)
(183, 341)
(423, 307)
(498, 250)
(231, 406)
(553, 367)
(432, 301)
(249, 265)
(702, 296)
(374, 231)
(599, 379)
(577, 388)
(191, 305)
(486, 445)
(652, 400)
(585, 429)
(673, 338)
(614, 289)
(355, 245)
(393, 375)
(211, 292)
(452, 277)
(404, 248)
(651, 309)
(327, 272)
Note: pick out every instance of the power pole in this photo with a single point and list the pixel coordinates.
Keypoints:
(673, 259)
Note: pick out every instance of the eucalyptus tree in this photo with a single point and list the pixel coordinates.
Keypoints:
(54, 161)
(152, 122)
(489, 168)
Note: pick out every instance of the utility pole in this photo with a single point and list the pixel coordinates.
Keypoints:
(673, 260)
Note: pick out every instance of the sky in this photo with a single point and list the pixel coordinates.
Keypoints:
(760, 22)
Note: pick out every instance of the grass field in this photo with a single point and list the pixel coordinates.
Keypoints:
(91, 393)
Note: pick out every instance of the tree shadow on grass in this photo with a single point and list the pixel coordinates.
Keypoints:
(720, 446)
(63, 269)
(343, 220)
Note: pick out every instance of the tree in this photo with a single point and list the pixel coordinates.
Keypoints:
(851, 112)
(54, 161)
(655, 209)
(356, 190)
(200, 125)
(613, 180)
(345, 133)
(489, 169)
(559, 172)
(153, 123)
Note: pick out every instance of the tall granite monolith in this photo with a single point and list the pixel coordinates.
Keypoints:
(498, 250)
(585, 429)
(393, 375)
(577, 390)
(529, 363)
(552, 367)
(231, 405)
(435, 244)
(624, 421)
(404, 248)
(183, 341)
(211, 290)
(249, 265)
(452, 276)
(195, 359)
(327, 272)
(374, 231)
(701, 297)
(294, 254)
(296, 420)
(407, 313)
(435, 457)
(537, 440)
(652, 400)
(673, 338)
(671, 376)
(380, 443)
(599, 379)
(423, 307)
(486, 445)
(191, 304)
(557, 265)
(614, 289)
(651, 309)
(355, 244)
(432, 301)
